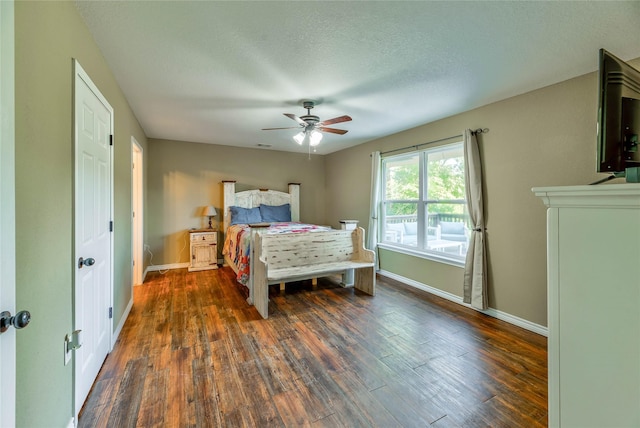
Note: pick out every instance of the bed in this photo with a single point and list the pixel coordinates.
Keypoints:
(268, 213)
(237, 237)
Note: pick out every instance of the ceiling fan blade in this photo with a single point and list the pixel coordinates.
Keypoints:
(332, 130)
(272, 129)
(296, 118)
(344, 118)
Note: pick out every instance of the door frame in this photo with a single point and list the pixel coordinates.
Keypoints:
(81, 74)
(7, 211)
(137, 207)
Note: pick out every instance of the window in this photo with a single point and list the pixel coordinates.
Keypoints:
(423, 202)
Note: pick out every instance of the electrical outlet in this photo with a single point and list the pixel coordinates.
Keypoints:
(147, 247)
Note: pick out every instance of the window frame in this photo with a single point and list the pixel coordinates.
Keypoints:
(422, 201)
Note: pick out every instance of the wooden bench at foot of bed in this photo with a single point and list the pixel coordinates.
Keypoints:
(298, 256)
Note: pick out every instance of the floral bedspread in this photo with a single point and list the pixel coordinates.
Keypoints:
(238, 240)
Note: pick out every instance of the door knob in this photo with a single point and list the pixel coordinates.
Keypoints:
(20, 320)
(85, 262)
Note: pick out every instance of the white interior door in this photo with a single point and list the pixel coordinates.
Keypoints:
(137, 215)
(93, 236)
(7, 215)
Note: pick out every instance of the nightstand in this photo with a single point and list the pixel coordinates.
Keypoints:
(203, 249)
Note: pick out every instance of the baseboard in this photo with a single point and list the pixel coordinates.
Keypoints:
(123, 319)
(72, 423)
(170, 266)
(503, 316)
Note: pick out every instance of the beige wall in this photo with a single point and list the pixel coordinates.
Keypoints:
(183, 177)
(542, 138)
(48, 36)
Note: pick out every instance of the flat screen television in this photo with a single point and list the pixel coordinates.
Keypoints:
(618, 118)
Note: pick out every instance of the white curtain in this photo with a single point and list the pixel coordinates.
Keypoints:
(372, 241)
(475, 269)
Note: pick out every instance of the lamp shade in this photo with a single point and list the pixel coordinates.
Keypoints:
(209, 211)
(299, 137)
(314, 138)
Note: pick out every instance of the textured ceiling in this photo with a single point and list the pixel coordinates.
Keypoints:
(218, 72)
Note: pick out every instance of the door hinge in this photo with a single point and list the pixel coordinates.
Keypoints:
(111, 226)
(111, 140)
(111, 312)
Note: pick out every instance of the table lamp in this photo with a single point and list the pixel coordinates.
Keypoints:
(209, 211)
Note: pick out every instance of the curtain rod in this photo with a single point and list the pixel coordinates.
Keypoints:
(415, 147)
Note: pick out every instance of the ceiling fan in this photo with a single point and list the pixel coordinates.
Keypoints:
(312, 126)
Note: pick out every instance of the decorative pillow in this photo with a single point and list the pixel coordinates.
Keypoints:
(398, 227)
(411, 228)
(275, 213)
(241, 215)
(452, 227)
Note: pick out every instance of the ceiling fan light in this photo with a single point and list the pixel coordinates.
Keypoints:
(299, 137)
(314, 138)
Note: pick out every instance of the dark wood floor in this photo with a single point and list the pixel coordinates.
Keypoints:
(193, 353)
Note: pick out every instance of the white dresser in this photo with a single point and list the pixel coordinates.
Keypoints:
(593, 257)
